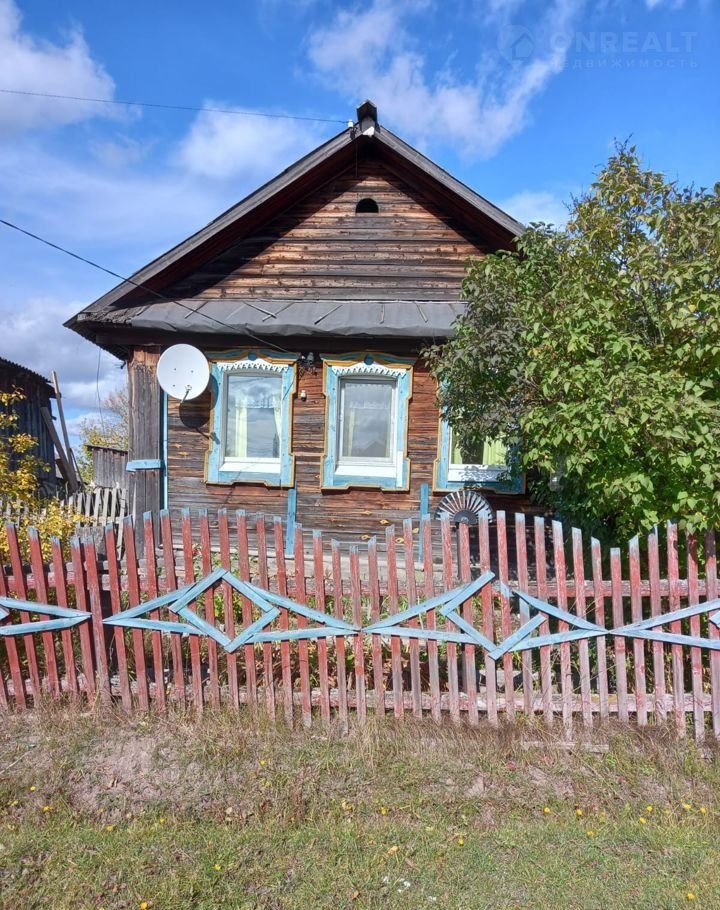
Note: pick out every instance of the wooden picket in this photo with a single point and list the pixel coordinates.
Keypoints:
(321, 631)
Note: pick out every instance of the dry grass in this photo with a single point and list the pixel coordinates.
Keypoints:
(143, 810)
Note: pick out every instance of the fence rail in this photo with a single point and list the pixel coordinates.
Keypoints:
(540, 623)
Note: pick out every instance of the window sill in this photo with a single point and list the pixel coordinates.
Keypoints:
(380, 469)
(475, 473)
(251, 466)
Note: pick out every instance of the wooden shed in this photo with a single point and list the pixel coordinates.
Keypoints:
(109, 465)
(38, 392)
(312, 299)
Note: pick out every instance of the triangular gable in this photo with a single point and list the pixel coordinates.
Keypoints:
(278, 195)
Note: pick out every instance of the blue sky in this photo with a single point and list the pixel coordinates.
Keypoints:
(522, 100)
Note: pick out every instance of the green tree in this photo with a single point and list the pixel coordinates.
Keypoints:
(595, 350)
(109, 428)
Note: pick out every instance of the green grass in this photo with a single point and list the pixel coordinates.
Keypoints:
(394, 816)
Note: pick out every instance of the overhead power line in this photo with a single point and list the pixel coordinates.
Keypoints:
(144, 287)
(172, 107)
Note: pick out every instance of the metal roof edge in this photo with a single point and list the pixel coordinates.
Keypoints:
(381, 135)
(35, 375)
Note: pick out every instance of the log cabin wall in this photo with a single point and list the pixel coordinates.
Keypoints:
(348, 513)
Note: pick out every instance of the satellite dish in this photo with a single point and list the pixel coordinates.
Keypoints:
(183, 372)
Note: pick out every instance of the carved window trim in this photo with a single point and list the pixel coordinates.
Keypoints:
(275, 472)
(338, 473)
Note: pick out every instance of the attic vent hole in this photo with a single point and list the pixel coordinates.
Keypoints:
(366, 206)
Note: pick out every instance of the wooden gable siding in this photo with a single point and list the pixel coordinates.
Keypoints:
(321, 249)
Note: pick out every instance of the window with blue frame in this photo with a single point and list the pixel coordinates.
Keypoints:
(251, 439)
(485, 466)
(367, 419)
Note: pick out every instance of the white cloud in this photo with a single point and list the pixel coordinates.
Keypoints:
(528, 206)
(120, 152)
(223, 146)
(370, 53)
(31, 65)
(137, 208)
(78, 203)
(116, 214)
(33, 335)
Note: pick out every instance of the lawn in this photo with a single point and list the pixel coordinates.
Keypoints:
(105, 811)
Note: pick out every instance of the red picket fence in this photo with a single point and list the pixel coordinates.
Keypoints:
(574, 596)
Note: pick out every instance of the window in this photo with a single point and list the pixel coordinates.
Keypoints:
(465, 465)
(367, 421)
(365, 425)
(252, 419)
(483, 467)
(367, 207)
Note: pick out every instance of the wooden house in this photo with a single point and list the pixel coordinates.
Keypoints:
(312, 300)
(37, 393)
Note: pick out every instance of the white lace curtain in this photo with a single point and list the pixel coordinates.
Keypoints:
(254, 416)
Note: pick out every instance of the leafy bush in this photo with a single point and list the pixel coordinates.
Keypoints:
(594, 350)
(20, 472)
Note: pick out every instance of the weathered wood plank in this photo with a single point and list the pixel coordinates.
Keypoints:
(696, 669)
(247, 618)
(678, 674)
(37, 567)
(284, 621)
(340, 655)
(61, 597)
(505, 617)
(619, 642)
(562, 602)
(320, 604)
(714, 632)
(302, 623)
(452, 667)
(170, 579)
(599, 603)
(228, 608)
(469, 670)
(429, 592)
(189, 572)
(152, 591)
(638, 644)
(18, 584)
(395, 643)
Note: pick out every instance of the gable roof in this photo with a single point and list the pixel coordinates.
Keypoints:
(139, 303)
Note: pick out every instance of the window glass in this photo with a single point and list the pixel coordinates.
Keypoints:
(490, 453)
(253, 416)
(366, 418)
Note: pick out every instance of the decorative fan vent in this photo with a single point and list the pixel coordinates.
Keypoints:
(464, 506)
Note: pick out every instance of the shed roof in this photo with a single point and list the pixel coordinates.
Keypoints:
(14, 370)
(139, 304)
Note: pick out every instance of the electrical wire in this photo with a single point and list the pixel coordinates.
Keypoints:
(144, 287)
(171, 107)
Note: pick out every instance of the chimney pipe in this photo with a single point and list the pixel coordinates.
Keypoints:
(367, 118)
